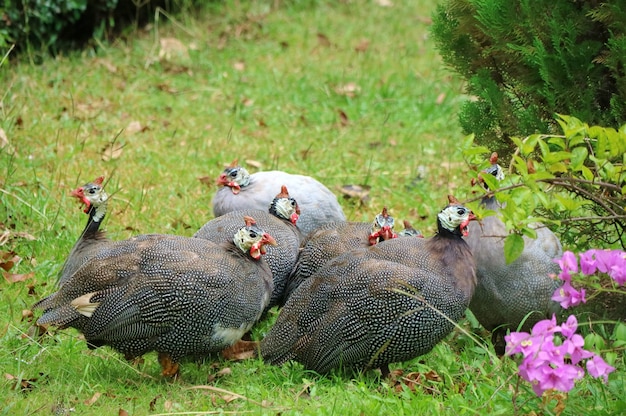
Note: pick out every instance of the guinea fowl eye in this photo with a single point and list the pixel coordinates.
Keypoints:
(233, 173)
(293, 203)
(92, 190)
(461, 211)
(252, 234)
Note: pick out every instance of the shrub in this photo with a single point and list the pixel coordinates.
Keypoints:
(56, 25)
(574, 181)
(526, 60)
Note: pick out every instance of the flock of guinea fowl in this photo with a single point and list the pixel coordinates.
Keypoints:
(350, 295)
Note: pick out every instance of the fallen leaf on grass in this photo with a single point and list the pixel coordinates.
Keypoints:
(135, 127)
(8, 259)
(349, 90)
(112, 151)
(14, 278)
(207, 180)
(226, 393)
(152, 404)
(24, 385)
(362, 46)
(343, 118)
(93, 399)
(172, 49)
(254, 163)
(360, 192)
(122, 412)
(323, 40)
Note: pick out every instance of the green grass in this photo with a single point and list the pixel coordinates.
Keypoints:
(263, 81)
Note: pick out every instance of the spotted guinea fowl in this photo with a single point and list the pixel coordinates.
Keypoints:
(280, 221)
(175, 295)
(333, 239)
(508, 294)
(94, 197)
(242, 190)
(378, 305)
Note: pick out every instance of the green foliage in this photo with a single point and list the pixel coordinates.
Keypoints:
(56, 25)
(575, 181)
(526, 60)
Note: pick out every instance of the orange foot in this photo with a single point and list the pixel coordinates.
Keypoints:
(241, 350)
(169, 367)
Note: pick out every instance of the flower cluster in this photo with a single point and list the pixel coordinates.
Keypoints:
(611, 262)
(547, 365)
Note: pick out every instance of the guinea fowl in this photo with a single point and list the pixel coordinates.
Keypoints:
(175, 295)
(242, 190)
(509, 294)
(378, 305)
(333, 239)
(94, 197)
(410, 231)
(280, 221)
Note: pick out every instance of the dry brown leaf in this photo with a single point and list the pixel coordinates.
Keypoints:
(349, 90)
(172, 49)
(152, 404)
(168, 405)
(440, 98)
(122, 412)
(229, 398)
(362, 46)
(4, 237)
(8, 259)
(112, 151)
(239, 66)
(14, 278)
(93, 399)
(360, 192)
(27, 315)
(323, 40)
(432, 376)
(4, 140)
(135, 127)
(207, 180)
(384, 3)
(343, 118)
(108, 65)
(254, 163)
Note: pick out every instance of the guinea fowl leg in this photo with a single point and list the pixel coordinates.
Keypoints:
(497, 339)
(169, 367)
(241, 350)
(384, 371)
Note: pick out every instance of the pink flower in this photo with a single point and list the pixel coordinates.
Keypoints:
(588, 262)
(568, 263)
(546, 327)
(567, 296)
(574, 348)
(569, 327)
(522, 343)
(605, 259)
(597, 367)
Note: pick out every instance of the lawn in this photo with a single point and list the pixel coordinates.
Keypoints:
(350, 92)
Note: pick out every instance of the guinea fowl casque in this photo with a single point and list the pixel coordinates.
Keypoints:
(280, 221)
(241, 190)
(333, 239)
(94, 197)
(378, 305)
(509, 294)
(175, 295)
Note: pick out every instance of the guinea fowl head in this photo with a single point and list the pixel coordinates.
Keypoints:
(410, 231)
(495, 169)
(382, 228)
(92, 194)
(235, 177)
(285, 207)
(453, 219)
(253, 239)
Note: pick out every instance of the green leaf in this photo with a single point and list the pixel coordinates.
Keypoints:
(619, 333)
(587, 173)
(513, 247)
(579, 155)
